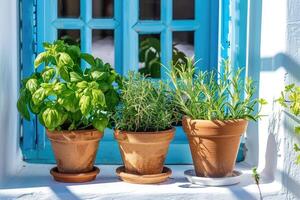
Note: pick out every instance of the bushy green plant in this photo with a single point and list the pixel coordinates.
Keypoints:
(290, 98)
(144, 105)
(65, 96)
(214, 96)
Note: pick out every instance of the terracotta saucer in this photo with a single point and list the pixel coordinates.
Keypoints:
(74, 178)
(143, 179)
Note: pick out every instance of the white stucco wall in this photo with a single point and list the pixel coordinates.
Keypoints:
(279, 65)
(9, 75)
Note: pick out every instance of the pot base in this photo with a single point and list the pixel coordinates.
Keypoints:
(235, 178)
(143, 179)
(74, 178)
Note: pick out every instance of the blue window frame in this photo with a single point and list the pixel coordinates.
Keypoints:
(40, 23)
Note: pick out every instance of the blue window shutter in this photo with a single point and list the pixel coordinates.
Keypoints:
(28, 53)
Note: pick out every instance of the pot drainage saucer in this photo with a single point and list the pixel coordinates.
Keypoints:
(74, 178)
(143, 179)
(235, 178)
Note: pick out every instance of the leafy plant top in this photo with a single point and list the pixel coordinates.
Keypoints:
(63, 95)
(214, 96)
(290, 99)
(144, 105)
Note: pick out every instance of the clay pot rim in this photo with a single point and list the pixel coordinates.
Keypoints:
(173, 129)
(52, 135)
(185, 117)
(77, 131)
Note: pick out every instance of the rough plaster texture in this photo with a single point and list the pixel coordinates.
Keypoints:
(280, 65)
(9, 70)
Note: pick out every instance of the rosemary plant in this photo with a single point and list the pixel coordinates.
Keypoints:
(214, 96)
(144, 106)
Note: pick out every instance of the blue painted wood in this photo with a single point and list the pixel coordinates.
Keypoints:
(27, 54)
(130, 36)
(202, 50)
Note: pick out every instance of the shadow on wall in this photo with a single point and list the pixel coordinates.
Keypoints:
(290, 179)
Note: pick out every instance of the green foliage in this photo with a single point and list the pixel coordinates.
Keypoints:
(290, 98)
(212, 96)
(144, 105)
(66, 97)
(149, 54)
(256, 177)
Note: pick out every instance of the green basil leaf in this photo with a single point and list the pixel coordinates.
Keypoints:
(100, 123)
(82, 85)
(39, 95)
(32, 85)
(65, 60)
(69, 100)
(75, 77)
(42, 57)
(48, 74)
(88, 58)
(22, 108)
(59, 88)
(85, 104)
(51, 118)
(98, 98)
(97, 75)
(64, 72)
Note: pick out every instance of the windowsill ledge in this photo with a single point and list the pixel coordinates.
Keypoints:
(35, 182)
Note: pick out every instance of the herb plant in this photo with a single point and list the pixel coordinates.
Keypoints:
(213, 96)
(149, 55)
(290, 99)
(63, 95)
(144, 105)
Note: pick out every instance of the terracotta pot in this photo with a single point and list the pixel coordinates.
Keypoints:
(75, 151)
(144, 153)
(214, 144)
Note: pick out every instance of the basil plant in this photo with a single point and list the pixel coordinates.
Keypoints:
(65, 96)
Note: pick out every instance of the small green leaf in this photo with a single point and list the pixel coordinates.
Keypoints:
(22, 108)
(48, 74)
(59, 87)
(98, 97)
(42, 57)
(297, 129)
(75, 77)
(85, 104)
(39, 95)
(69, 100)
(82, 85)
(51, 118)
(63, 72)
(88, 58)
(97, 75)
(32, 85)
(100, 123)
(65, 60)
(262, 101)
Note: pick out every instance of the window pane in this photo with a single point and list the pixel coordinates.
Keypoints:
(103, 8)
(183, 9)
(68, 8)
(69, 36)
(103, 45)
(183, 46)
(149, 55)
(150, 9)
